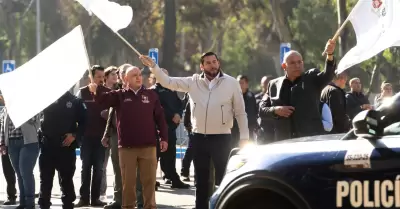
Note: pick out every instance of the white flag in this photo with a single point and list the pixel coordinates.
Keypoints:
(41, 81)
(375, 23)
(112, 14)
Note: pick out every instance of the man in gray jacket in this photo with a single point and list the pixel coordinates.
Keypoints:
(215, 99)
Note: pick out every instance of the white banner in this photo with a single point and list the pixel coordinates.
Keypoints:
(35, 85)
(376, 26)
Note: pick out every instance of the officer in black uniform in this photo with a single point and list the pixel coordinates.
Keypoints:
(61, 125)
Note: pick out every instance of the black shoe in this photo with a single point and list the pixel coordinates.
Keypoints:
(113, 205)
(187, 179)
(97, 203)
(179, 185)
(167, 181)
(36, 195)
(10, 202)
(82, 203)
(158, 184)
(156, 188)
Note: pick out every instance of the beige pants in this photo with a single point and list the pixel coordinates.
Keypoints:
(145, 159)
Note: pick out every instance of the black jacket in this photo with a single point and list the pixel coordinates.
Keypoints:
(335, 97)
(186, 118)
(252, 114)
(306, 120)
(259, 97)
(354, 101)
(171, 103)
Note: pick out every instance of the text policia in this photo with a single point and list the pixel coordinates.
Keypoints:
(369, 194)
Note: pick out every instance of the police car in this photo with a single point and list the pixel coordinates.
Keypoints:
(360, 169)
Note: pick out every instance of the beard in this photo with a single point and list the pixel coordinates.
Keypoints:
(212, 73)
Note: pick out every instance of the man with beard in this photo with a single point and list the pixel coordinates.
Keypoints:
(92, 151)
(215, 99)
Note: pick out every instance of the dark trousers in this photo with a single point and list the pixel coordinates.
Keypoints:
(188, 158)
(92, 156)
(206, 149)
(168, 158)
(9, 175)
(63, 160)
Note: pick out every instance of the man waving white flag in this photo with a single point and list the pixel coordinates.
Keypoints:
(375, 23)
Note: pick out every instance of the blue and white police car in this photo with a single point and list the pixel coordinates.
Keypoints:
(360, 169)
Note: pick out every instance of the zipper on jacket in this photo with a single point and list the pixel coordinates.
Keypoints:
(205, 121)
(222, 111)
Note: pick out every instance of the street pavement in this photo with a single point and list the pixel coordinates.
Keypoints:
(166, 197)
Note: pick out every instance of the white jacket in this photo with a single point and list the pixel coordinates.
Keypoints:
(212, 111)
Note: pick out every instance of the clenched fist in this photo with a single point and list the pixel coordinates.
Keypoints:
(330, 47)
(92, 87)
(147, 61)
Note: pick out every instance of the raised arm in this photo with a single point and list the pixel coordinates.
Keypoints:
(240, 112)
(107, 99)
(323, 78)
(174, 83)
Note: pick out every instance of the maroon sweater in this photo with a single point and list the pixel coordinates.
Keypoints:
(95, 123)
(138, 115)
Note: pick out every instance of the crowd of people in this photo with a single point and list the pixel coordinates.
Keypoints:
(116, 116)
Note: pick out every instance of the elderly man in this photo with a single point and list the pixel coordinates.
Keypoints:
(138, 112)
(292, 101)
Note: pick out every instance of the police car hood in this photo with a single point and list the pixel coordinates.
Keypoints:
(296, 145)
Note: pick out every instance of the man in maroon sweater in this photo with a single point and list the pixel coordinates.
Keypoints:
(138, 112)
(92, 151)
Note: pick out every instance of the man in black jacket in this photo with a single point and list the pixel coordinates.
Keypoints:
(334, 95)
(251, 110)
(293, 100)
(356, 100)
(173, 109)
(188, 157)
(264, 85)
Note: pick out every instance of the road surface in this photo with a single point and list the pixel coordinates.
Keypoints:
(166, 197)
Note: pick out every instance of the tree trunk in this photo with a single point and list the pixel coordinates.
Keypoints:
(169, 50)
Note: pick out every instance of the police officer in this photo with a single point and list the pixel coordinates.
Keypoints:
(62, 123)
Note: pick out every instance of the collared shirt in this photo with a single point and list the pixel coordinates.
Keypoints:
(12, 131)
(212, 83)
(135, 91)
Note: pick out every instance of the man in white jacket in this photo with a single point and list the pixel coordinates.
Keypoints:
(215, 99)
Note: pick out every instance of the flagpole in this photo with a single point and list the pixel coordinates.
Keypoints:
(343, 25)
(127, 43)
(337, 34)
